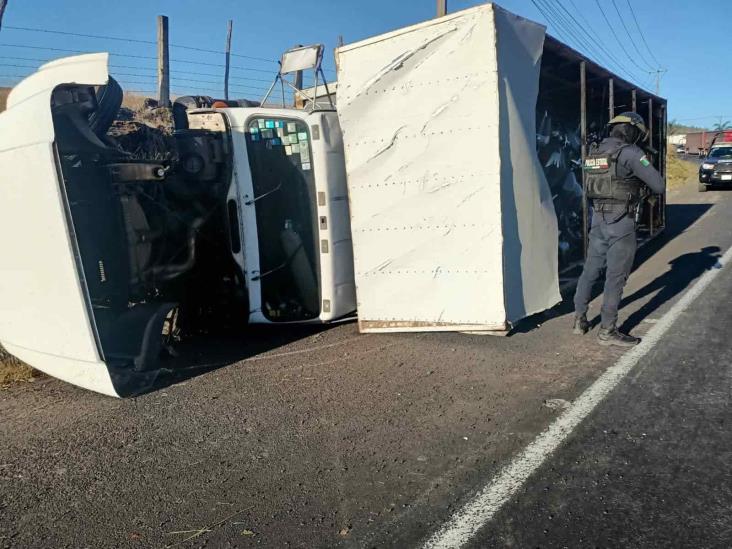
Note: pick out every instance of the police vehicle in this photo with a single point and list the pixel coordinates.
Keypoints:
(716, 169)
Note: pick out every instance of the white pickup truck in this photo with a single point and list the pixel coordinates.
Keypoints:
(104, 252)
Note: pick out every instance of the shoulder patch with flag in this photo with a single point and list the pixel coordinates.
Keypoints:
(644, 161)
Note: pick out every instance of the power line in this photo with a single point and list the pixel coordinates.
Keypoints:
(192, 73)
(17, 66)
(550, 21)
(95, 36)
(566, 25)
(617, 39)
(117, 75)
(635, 46)
(715, 116)
(114, 66)
(64, 50)
(592, 37)
(632, 11)
(130, 56)
(590, 43)
(135, 41)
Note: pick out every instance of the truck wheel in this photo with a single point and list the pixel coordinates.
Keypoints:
(109, 100)
(702, 188)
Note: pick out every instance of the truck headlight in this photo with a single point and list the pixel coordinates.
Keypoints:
(706, 166)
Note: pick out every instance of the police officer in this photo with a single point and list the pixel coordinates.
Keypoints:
(616, 173)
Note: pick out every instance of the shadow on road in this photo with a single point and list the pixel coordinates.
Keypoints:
(679, 217)
(209, 353)
(684, 269)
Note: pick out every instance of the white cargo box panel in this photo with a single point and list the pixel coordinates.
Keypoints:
(452, 219)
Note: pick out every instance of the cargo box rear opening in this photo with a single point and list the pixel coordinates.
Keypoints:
(152, 235)
(577, 98)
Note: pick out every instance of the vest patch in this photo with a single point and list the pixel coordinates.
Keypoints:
(644, 161)
(597, 163)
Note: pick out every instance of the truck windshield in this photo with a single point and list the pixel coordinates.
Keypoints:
(721, 152)
(284, 189)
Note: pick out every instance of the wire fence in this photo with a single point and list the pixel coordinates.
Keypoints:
(134, 64)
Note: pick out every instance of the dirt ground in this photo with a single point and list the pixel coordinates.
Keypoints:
(316, 438)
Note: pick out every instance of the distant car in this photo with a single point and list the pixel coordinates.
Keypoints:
(716, 169)
(680, 149)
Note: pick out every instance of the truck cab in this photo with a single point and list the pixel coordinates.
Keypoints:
(115, 254)
(287, 208)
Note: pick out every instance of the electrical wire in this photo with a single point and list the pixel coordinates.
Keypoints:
(551, 22)
(567, 25)
(64, 50)
(146, 42)
(630, 37)
(561, 22)
(632, 11)
(591, 36)
(715, 116)
(148, 58)
(617, 38)
(192, 73)
(135, 41)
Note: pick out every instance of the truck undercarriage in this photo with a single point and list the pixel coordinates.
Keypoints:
(152, 235)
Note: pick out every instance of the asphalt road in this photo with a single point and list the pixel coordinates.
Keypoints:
(651, 466)
(331, 438)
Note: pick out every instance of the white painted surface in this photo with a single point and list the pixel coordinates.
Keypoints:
(43, 308)
(481, 509)
(530, 232)
(336, 267)
(422, 126)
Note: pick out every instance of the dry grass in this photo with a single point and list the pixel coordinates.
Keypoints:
(13, 370)
(4, 97)
(134, 102)
(679, 171)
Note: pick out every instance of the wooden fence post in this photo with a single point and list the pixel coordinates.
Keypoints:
(163, 62)
(228, 59)
(441, 8)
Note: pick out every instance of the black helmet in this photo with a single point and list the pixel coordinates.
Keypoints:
(635, 120)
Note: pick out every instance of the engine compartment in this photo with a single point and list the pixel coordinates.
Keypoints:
(151, 227)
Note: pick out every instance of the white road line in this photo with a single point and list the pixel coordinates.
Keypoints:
(476, 513)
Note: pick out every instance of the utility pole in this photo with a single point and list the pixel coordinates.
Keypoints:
(659, 74)
(163, 62)
(228, 58)
(441, 8)
(3, 5)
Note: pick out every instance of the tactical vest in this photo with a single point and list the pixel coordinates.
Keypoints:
(603, 182)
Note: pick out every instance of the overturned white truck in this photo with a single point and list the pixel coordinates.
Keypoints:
(455, 223)
(106, 255)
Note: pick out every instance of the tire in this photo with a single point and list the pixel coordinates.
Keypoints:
(186, 102)
(109, 100)
(702, 188)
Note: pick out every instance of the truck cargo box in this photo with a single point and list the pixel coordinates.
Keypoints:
(452, 218)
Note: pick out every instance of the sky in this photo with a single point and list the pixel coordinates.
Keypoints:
(688, 40)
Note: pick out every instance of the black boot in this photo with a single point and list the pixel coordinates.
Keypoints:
(581, 326)
(611, 336)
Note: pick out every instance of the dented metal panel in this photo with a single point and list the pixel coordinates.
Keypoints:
(426, 154)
